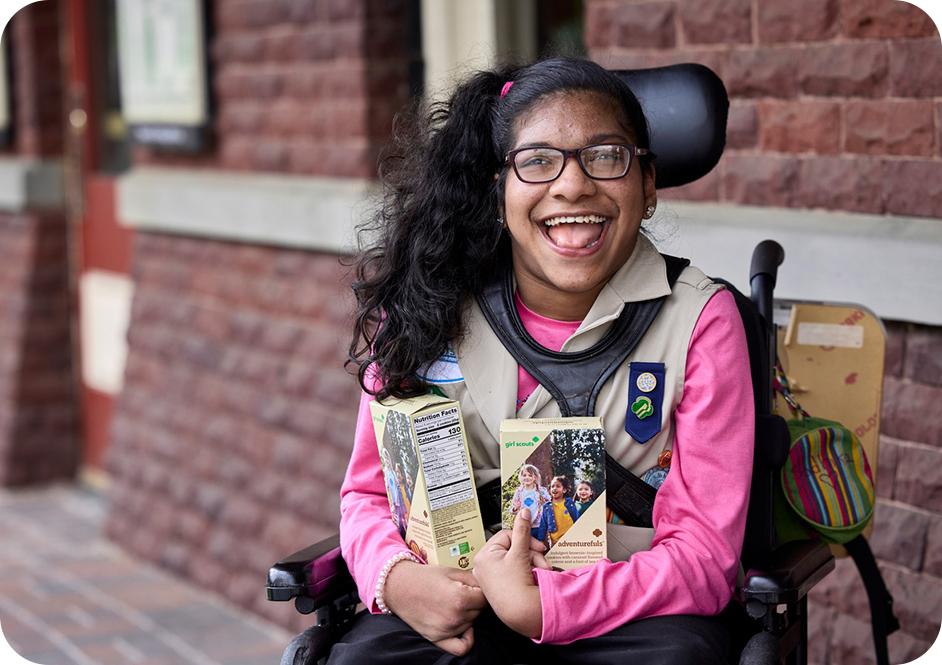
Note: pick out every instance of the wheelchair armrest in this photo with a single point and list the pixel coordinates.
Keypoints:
(314, 576)
(789, 573)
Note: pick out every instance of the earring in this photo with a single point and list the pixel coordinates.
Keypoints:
(500, 221)
(649, 212)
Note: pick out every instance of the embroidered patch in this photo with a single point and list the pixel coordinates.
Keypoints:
(645, 400)
(443, 370)
(655, 476)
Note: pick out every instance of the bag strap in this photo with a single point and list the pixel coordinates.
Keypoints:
(574, 379)
(882, 618)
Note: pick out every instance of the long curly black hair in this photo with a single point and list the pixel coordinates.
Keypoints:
(436, 239)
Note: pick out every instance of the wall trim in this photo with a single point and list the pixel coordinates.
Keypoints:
(305, 212)
(28, 183)
(893, 265)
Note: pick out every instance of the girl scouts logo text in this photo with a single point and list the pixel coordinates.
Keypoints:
(642, 407)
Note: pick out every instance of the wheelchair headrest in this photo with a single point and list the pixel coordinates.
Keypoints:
(686, 107)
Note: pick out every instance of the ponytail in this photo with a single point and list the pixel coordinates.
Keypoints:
(436, 237)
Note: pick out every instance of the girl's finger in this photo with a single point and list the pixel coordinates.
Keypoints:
(536, 545)
(537, 560)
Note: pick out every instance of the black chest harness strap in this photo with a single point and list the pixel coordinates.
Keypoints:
(574, 379)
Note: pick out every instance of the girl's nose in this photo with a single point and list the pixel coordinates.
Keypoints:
(572, 183)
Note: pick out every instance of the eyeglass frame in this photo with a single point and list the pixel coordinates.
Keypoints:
(633, 152)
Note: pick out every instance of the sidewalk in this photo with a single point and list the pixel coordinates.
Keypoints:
(68, 596)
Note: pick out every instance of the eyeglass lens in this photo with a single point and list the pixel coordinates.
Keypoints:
(598, 161)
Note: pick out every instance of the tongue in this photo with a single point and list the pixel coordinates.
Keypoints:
(574, 236)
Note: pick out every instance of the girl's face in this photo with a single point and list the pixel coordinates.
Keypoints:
(556, 490)
(584, 492)
(560, 268)
(527, 479)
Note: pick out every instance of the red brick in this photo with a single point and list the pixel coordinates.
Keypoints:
(800, 126)
(917, 601)
(847, 69)
(762, 72)
(797, 20)
(644, 25)
(913, 187)
(916, 68)
(839, 183)
(933, 560)
(905, 406)
(919, 477)
(717, 22)
(938, 127)
(899, 534)
(742, 127)
(888, 451)
(924, 355)
(889, 127)
(842, 590)
(706, 188)
(759, 180)
(876, 19)
(599, 24)
(851, 642)
(316, 43)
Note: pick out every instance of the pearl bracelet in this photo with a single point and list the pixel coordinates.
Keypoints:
(381, 580)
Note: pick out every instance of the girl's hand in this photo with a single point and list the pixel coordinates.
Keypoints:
(439, 603)
(503, 569)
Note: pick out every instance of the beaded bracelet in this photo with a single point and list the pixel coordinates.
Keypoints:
(381, 580)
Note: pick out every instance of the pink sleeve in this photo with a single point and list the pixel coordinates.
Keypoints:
(368, 537)
(700, 512)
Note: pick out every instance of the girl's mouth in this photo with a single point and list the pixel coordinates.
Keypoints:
(575, 233)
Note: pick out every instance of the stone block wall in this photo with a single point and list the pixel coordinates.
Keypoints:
(835, 104)
(37, 395)
(302, 86)
(234, 429)
(38, 410)
(235, 424)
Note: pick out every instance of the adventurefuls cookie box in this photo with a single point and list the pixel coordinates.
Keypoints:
(429, 480)
(556, 467)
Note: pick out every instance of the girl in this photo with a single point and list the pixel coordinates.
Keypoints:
(559, 514)
(584, 494)
(530, 493)
(544, 171)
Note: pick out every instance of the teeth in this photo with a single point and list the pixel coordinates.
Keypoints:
(576, 219)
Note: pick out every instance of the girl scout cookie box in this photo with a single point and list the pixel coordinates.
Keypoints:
(556, 468)
(429, 482)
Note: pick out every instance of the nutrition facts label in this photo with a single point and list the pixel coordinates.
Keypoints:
(441, 447)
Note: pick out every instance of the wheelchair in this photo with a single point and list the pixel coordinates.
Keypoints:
(686, 108)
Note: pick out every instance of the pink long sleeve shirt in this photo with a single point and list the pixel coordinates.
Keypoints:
(699, 514)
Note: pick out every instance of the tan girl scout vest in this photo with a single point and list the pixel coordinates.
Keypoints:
(482, 376)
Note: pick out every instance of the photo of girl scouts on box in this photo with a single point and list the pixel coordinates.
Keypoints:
(535, 183)
(400, 466)
(573, 469)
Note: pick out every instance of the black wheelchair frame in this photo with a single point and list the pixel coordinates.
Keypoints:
(773, 628)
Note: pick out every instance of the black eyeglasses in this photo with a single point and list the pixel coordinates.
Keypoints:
(607, 161)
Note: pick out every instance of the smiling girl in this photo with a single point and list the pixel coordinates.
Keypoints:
(541, 176)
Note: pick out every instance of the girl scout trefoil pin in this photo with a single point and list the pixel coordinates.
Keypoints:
(645, 400)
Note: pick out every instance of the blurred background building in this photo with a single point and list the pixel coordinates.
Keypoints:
(179, 179)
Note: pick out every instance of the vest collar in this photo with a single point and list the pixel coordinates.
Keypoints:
(490, 372)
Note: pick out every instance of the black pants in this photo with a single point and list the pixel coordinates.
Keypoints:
(668, 640)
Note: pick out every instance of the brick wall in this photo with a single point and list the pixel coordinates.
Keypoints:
(234, 428)
(302, 86)
(36, 91)
(835, 104)
(37, 407)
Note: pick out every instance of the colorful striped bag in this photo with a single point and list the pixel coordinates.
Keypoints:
(826, 482)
